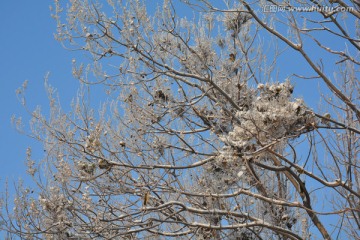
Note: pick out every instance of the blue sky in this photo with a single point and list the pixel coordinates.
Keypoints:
(28, 51)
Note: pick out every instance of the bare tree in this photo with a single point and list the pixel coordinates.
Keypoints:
(201, 135)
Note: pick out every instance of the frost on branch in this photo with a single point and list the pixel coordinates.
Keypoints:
(93, 140)
(224, 172)
(271, 115)
(268, 115)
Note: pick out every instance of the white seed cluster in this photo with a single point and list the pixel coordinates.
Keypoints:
(268, 115)
(272, 115)
(224, 172)
(93, 142)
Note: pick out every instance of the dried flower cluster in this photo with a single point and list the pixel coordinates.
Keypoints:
(93, 142)
(270, 114)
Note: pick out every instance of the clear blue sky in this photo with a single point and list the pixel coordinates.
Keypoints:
(28, 51)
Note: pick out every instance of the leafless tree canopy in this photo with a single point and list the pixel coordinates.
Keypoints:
(202, 133)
